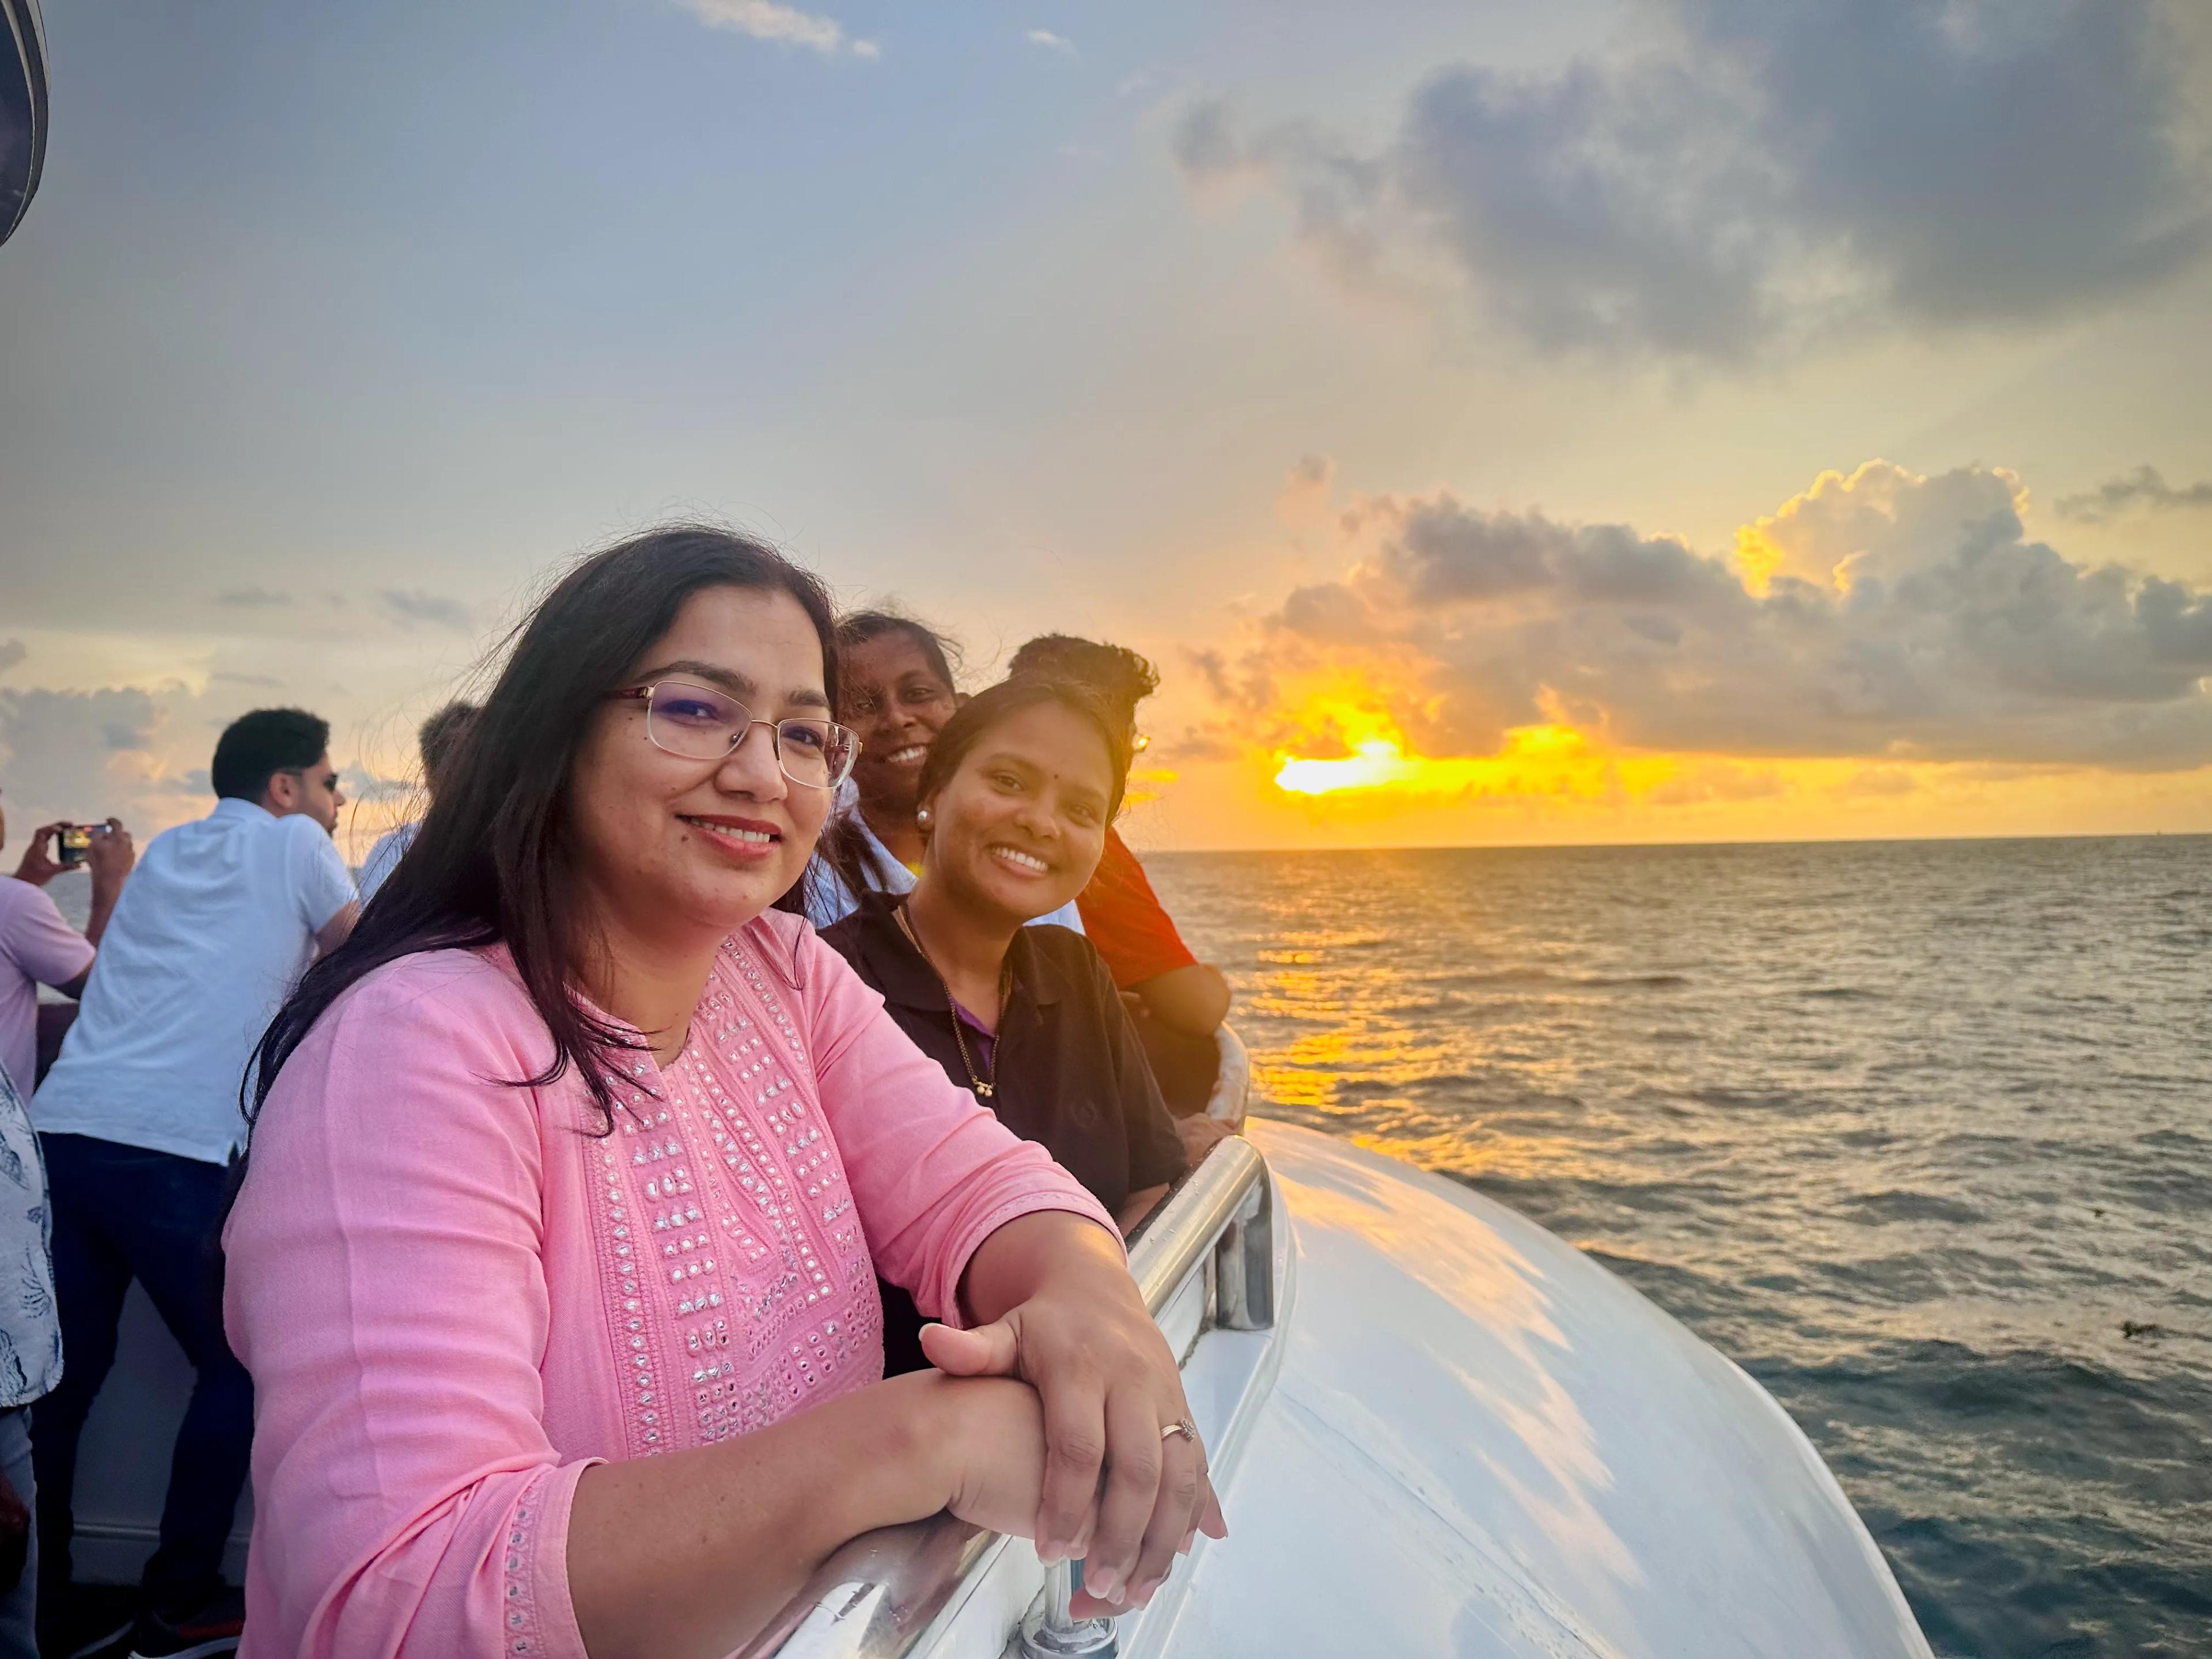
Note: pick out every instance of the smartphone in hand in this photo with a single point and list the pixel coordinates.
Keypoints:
(72, 842)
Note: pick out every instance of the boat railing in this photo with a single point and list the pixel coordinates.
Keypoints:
(876, 1596)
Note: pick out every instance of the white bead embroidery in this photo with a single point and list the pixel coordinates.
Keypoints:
(770, 1192)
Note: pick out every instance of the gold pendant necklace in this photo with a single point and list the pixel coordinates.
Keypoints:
(985, 1084)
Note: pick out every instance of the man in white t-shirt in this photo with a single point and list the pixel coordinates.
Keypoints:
(140, 1119)
(37, 947)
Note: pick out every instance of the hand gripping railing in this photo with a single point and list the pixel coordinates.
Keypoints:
(873, 1598)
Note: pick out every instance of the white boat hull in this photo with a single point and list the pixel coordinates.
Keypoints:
(1481, 1443)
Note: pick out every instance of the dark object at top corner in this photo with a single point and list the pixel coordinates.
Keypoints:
(22, 109)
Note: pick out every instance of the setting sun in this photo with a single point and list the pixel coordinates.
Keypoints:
(1550, 760)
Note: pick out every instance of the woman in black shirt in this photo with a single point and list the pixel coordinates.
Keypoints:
(1015, 798)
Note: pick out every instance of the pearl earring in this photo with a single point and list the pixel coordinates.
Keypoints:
(921, 817)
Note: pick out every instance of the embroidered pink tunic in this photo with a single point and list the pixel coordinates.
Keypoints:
(454, 1299)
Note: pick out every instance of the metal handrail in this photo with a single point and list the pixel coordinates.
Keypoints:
(874, 1596)
(1193, 1218)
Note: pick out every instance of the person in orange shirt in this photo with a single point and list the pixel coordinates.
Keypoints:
(1177, 1001)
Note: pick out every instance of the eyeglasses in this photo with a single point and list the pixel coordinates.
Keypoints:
(705, 725)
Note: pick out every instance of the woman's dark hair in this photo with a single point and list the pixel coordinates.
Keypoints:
(1117, 676)
(490, 864)
(858, 626)
(441, 735)
(255, 747)
(844, 856)
(1018, 696)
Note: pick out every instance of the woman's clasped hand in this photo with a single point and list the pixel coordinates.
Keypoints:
(1118, 1489)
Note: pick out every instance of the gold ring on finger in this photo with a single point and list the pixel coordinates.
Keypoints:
(1183, 1426)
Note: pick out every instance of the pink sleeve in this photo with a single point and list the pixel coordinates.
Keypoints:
(386, 1291)
(46, 948)
(933, 1173)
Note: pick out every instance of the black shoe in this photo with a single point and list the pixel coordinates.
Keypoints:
(201, 1634)
(91, 1622)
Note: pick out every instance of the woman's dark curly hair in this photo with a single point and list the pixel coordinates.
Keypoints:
(1116, 675)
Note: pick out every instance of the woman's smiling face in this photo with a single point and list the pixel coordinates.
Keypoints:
(665, 843)
(894, 698)
(1017, 829)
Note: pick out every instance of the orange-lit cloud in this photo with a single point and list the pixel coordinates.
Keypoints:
(1881, 614)
(1884, 643)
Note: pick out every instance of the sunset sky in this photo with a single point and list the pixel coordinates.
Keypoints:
(1505, 420)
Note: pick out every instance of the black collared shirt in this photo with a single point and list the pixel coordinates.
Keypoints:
(1070, 1071)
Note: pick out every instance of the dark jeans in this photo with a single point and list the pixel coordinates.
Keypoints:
(122, 1212)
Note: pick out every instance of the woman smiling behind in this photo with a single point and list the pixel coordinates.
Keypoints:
(895, 690)
(572, 1172)
(1015, 799)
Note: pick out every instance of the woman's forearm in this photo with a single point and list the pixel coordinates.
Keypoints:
(1194, 999)
(690, 1553)
(1020, 1259)
(103, 907)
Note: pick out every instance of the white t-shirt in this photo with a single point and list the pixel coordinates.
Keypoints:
(37, 947)
(384, 857)
(213, 928)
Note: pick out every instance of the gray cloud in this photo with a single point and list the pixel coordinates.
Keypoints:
(252, 599)
(76, 754)
(1757, 172)
(414, 605)
(2143, 489)
(1901, 617)
(362, 785)
(230, 677)
(11, 652)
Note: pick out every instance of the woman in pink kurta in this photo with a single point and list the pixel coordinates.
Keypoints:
(560, 1305)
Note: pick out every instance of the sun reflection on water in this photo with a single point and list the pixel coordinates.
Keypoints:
(1814, 1101)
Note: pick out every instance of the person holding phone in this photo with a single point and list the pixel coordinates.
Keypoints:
(37, 947)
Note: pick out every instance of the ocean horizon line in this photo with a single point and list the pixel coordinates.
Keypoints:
(1641, 845)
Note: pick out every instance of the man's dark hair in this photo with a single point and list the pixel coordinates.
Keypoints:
(491, 864)
(255, 747)
(442, 734)
(1114, 674)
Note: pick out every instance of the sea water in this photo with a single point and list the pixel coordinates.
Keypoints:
(1918, 1134)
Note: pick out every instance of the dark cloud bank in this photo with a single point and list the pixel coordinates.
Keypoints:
(1757, 172)
(2144, 489)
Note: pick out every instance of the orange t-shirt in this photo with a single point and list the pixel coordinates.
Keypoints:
(1124, 919)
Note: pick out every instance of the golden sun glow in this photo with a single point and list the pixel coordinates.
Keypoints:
(1552, 760)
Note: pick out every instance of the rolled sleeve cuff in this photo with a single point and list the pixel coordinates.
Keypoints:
(539, 1618)
(1074, 1202)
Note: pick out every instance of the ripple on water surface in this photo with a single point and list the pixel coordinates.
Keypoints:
(1918, 1132)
